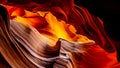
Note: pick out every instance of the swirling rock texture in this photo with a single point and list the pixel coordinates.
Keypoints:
(53, 34)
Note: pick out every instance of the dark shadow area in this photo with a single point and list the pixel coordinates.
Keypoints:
(108, 11)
